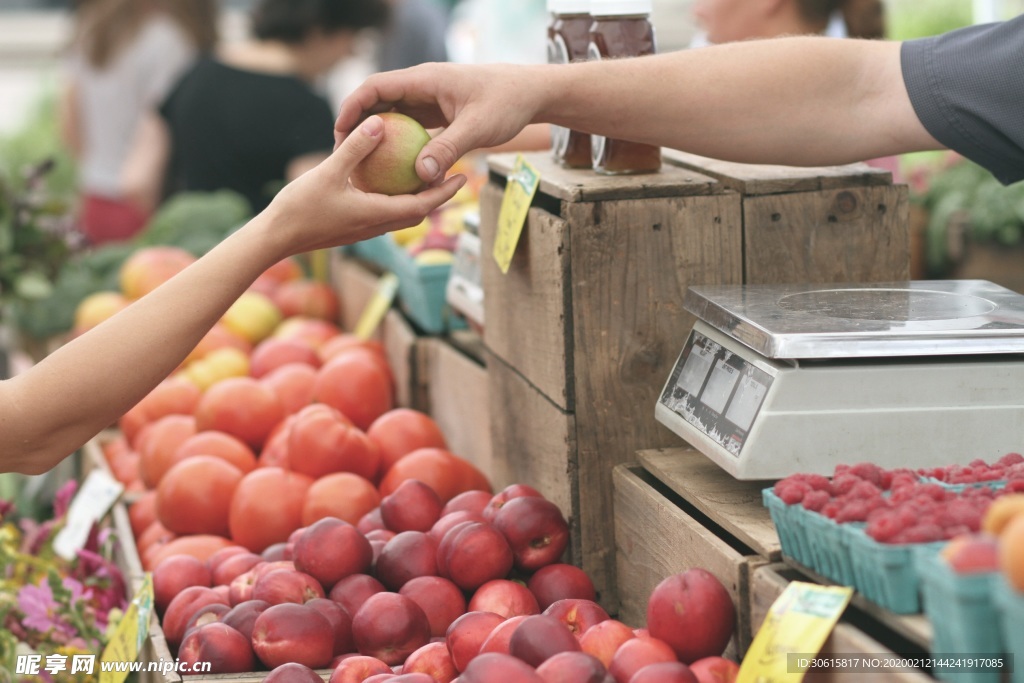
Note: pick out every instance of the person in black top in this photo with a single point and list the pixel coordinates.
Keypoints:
(248, 118)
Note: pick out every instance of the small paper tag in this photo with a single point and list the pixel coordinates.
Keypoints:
(800, 621)
(515, 205)
(130, 634)
(92, 501)
(378, 306)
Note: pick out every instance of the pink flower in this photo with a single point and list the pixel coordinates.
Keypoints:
(62, 499)
(38, 606)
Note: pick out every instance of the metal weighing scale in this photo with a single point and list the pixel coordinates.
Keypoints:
(780, 379)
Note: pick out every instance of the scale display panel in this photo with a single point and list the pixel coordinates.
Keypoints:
(777, 379)
(717, 391)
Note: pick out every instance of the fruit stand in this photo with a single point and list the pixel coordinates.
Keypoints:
(348, 481)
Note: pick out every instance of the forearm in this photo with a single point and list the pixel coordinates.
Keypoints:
(797, 101)
(53, 408)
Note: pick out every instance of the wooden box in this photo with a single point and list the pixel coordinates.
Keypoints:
(587, 323)
(456, 393)
(834, 224)
(855, 635)
(676, 510)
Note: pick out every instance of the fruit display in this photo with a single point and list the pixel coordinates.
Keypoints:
(864, 526)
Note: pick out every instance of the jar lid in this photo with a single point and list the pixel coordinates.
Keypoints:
(619, 7)
(568, 6)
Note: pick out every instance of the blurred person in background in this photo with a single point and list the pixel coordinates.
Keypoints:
(415, 34)
(124, 57)
(249, 118)
(727, 21)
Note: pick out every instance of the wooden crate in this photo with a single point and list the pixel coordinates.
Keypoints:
(658, 534)
(587, 323)
(456, 394)
(833, 224)
(589, 316)
(850, 637)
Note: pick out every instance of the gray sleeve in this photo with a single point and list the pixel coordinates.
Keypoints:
(967, 88)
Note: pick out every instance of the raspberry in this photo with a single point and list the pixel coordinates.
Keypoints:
(840, 470)
(978, 462)
(865, 490)
(954, 531)
(906, 516)
(1011, 459)
(791, 492)
(883, 528)
(933, 491)
(843, 483)
(868, 471)
(853, 511)
(1015, 486)
(819, 483)
(960, 513)
(816, 500)
(901, 481)
(924, 533)
(831, 509)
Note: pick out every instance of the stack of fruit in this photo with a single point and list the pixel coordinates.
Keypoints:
(865, 525)
(433, 590)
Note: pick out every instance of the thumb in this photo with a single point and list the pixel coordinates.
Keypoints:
(441, 153)
(358, 144)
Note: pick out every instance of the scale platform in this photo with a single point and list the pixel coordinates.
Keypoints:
(779, 379)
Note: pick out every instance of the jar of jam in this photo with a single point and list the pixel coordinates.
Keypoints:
(622, 28)
(569, 41)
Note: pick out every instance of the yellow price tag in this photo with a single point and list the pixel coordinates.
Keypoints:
(796, 628)
(378, 306)
(519, 191)
(130, 634)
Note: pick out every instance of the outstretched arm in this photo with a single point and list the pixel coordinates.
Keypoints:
(796, 101)
(52, 409)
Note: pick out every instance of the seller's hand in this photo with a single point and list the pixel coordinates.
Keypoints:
(322, 209)
(480, 106)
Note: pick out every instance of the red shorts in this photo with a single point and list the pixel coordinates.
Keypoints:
(109, 220)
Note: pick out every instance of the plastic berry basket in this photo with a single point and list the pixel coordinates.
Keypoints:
(791, 524)
(962, 610)
(1010, 608)
(830, 547)
(377, 250)
(422, 292)
(883, 573)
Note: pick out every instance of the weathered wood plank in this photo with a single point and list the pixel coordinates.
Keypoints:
(533, 442)
(631, 264)
(527, 310)
(733, 504)
(655, 539)
(584, 185)
(767, 584)
(851, 235)
(761, 179)
(399, 341)
(459, 403)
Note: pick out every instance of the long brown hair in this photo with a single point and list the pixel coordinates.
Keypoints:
(104, 27)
